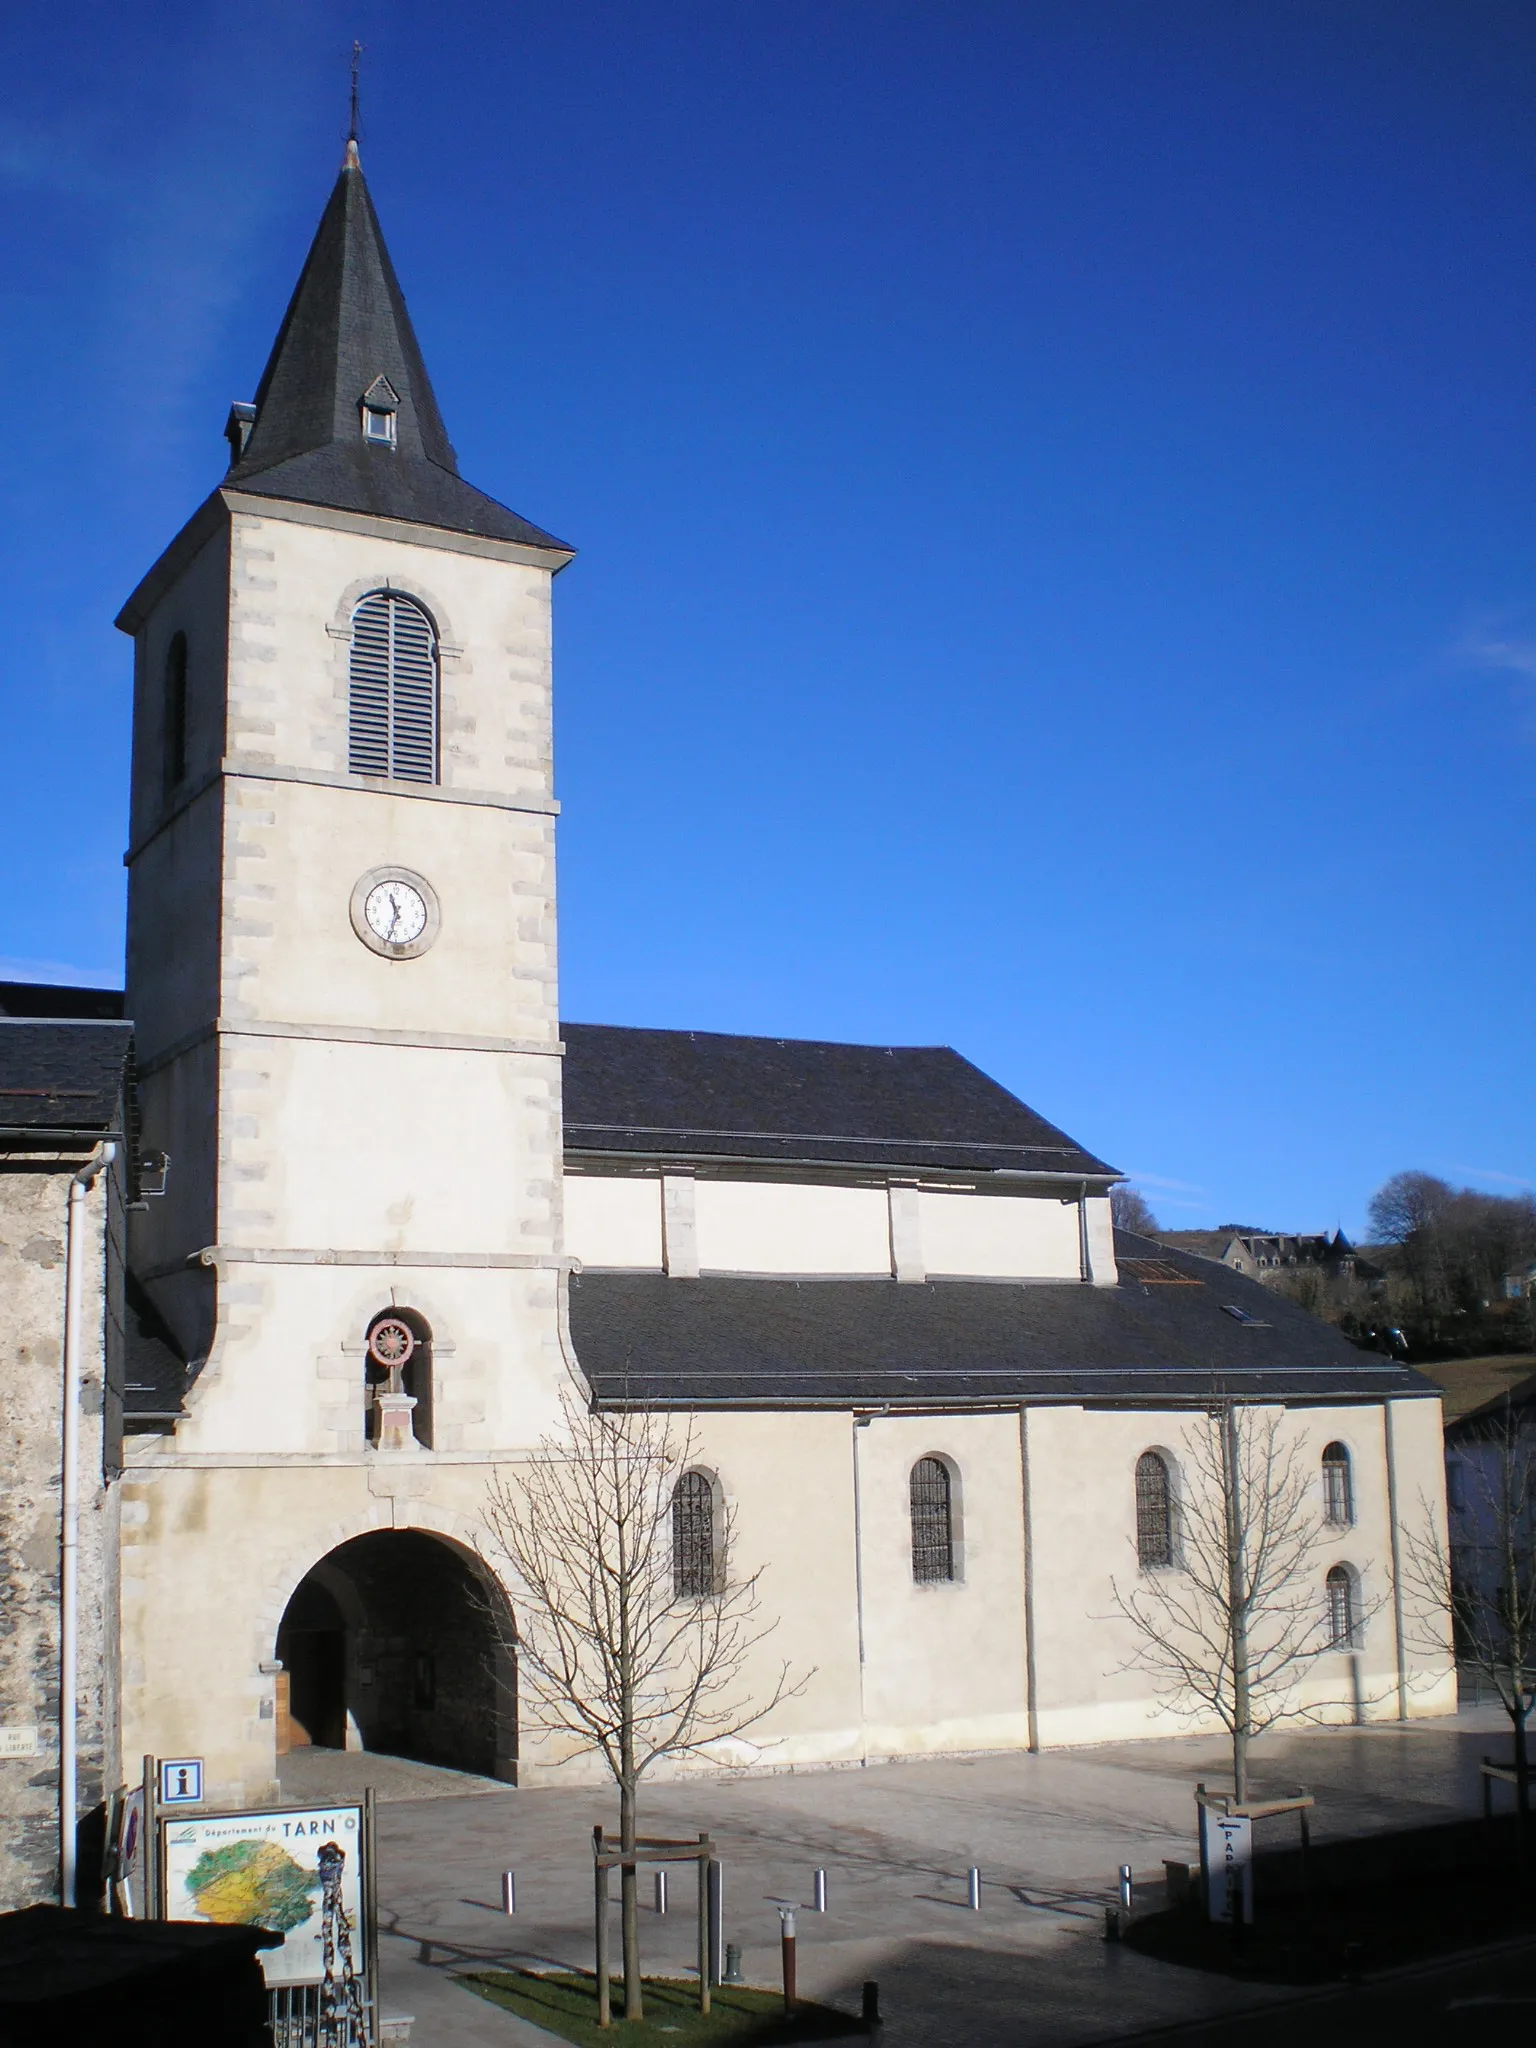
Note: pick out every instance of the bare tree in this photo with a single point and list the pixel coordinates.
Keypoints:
(1452, 1246)
(1131, 1211)
(622, 1642)
(1228, 1625)
(1480, 1583)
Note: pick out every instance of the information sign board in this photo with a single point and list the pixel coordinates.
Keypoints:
(297, 1872)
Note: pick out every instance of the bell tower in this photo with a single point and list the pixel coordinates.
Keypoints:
(341, 930)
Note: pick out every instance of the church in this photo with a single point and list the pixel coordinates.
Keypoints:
(380, 1202)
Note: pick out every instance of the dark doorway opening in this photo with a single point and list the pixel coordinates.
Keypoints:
(312, 1699)
(398, 1642)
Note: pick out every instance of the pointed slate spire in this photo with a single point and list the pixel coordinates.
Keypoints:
(346, 336)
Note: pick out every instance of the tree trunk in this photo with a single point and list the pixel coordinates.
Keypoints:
(629, 1904)
(1237, 1600)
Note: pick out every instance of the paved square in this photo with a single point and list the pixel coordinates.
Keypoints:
(896, 1840)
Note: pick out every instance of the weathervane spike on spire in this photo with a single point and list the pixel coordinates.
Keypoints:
(352, 158)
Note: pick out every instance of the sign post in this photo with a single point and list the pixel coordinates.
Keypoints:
(1228, 1859)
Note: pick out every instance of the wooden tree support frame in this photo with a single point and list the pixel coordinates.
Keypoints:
(647, 1849)
(1493, 1773)
(1300, 1802)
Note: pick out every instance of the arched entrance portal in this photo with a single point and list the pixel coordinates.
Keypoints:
(398, 1642)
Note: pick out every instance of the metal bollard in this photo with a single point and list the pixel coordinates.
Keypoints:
(715, 1906)
(819, 1890)
(787, 1954)
(1125, 1886)
(973, 1889)
(509, 1891)
(661, 1891)
(732, 1963)
(1111, 1923)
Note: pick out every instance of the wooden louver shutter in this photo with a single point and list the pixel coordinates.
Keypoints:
(392, 699)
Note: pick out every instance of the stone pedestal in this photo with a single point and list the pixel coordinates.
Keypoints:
(395, 1433)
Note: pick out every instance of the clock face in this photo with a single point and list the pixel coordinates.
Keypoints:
(396, 912)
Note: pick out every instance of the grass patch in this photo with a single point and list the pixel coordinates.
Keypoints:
(566, 2004)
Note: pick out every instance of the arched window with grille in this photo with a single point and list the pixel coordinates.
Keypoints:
(933, 1522)
(695, 1557)
(1343, 1609)
(1338, 1487)
(1154, 1512)
(175, 711)
(392, 694)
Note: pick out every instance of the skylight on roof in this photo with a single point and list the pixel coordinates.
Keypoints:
(1241, 1315)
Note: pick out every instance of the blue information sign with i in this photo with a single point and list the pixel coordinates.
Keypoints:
(181, 1781)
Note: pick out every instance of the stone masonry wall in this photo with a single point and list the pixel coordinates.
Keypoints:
(33, 1201)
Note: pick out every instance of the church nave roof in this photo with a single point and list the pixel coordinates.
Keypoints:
(713, 1095)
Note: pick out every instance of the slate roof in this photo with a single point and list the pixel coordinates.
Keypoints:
(651, 1341)
(61, 1078)
(702, 1095)
(346, 326)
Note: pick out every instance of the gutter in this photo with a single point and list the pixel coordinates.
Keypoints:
(69, 1515)
(1138, 1404)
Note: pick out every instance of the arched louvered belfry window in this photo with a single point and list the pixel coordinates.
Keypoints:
(1338, 1487)
(933, 1522)
(1343, 1611)
(1154, 1512)
(392, 700)
(695, 1563)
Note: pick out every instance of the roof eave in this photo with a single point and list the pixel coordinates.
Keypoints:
(190, 541)
(1095, 1177)
(343, 519)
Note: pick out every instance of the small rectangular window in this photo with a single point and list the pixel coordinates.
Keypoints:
(378, 425)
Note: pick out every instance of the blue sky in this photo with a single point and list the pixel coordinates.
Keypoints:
(1054, 485)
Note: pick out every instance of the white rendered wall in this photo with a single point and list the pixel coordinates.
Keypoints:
(613, 1221)
(1018, 1237)
(816, 1227)
(1082, 1467)
(768, 1227)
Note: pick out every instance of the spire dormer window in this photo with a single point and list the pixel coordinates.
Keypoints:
(379, 404)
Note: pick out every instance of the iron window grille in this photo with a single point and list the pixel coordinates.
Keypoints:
(1338, 1490)
(392, 694)
(1154, 1512)
(693, 1537)
(933, 1533)
(1342, 1619)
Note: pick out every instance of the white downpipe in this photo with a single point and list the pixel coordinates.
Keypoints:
(69, 1496)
